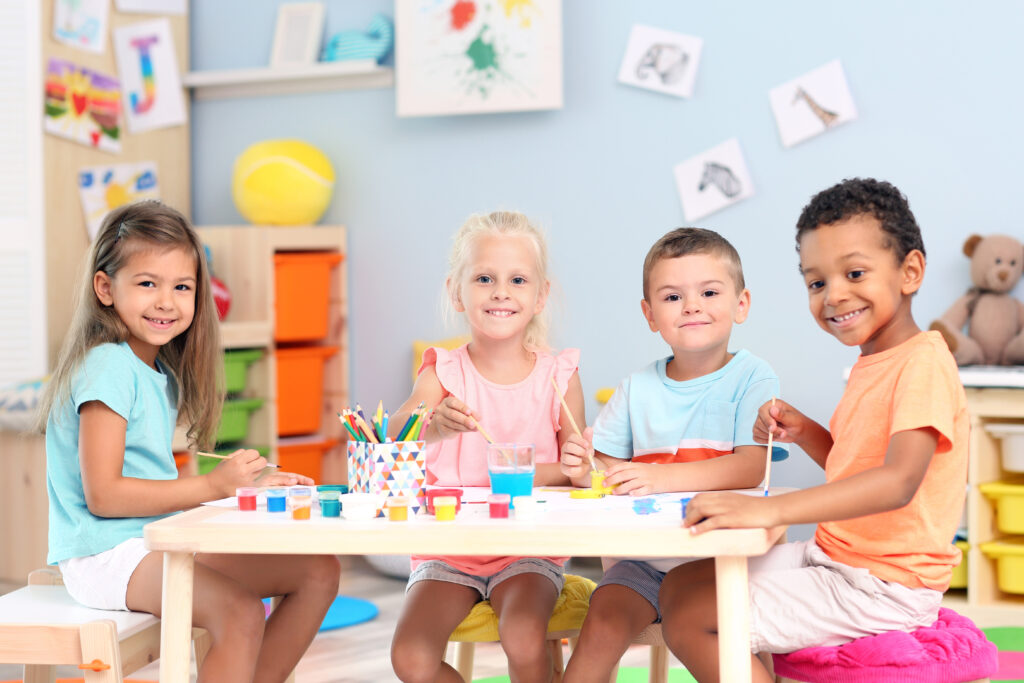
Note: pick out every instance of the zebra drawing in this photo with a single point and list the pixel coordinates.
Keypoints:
(721, 177)
(667, 61)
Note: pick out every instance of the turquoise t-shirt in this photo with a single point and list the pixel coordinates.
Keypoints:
(147, 399)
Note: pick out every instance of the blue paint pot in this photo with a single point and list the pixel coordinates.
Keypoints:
(277, 500)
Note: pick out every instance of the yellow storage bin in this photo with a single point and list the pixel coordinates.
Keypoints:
(1009, 500)
(1009, 556)
(959, 579)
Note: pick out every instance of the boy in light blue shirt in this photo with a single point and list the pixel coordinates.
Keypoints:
(683, 423)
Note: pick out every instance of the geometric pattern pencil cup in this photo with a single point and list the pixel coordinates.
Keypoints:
(397, 468)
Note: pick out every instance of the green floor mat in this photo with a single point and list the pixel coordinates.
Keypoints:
(627, 674)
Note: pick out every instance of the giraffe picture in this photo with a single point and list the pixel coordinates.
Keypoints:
(812, 104)
(713, 180)
(659, 60)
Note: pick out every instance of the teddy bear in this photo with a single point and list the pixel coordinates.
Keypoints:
(993, 318)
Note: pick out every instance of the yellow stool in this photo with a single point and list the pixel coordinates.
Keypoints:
(481, 626)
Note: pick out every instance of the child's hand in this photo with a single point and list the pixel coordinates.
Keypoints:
(632, 478)
(272, 477)
(722, 510)
(783, 420)
(452, 417)
(241, 469)
(577, 452)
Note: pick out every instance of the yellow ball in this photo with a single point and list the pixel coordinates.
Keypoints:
(282, 182)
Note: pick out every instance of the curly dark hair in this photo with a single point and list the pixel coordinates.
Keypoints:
(855, 196)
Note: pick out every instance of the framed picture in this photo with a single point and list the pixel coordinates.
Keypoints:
(297, 34)
(474, 57)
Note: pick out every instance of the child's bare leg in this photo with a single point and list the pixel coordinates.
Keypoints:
(431, 611)
(689, 616)
(523, 604)
(307, 584)
(232, 613)
(616, 614)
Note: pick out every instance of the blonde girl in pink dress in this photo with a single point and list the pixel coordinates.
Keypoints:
(497, 279)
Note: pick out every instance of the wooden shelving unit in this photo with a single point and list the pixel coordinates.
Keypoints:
(318, 77)
(982, 600)
(243, 257)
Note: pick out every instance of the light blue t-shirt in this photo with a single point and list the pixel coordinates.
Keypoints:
(147, 399)
(652, 418)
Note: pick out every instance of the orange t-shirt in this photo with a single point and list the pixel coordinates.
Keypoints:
(912, 386)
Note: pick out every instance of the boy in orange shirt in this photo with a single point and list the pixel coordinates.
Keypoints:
(895, 457)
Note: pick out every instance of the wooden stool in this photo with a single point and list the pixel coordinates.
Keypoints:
(658, 668)
(41, 626)
(481, 626)
(952, 650)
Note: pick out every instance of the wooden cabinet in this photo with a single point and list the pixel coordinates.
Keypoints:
(982, 600)
(243, 258)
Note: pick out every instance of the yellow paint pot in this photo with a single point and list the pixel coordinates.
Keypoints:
(398, 508)
(597, 482)
(444, 508)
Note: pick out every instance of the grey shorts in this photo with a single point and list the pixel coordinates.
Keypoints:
(439, 570)
(640, 576)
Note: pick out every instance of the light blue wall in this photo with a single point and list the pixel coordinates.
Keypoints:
(937, 87)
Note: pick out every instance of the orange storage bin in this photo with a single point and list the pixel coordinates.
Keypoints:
(300, 388)
(302, 293)
(304, 458)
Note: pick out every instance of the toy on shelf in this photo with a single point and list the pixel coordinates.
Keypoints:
(993, 317)
(374, 43)
(282, 182)
(221, 294)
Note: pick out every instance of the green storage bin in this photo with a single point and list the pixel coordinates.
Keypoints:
(205, 464)
(236, 367)
(234, 419)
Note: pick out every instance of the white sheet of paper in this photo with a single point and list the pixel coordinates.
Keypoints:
(812, 104)
(660, 60)
(713, 180)
(103, 188)
(150, 82)
(153, 6)
(81, 23)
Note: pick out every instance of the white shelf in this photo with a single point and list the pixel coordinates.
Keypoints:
(318, 77)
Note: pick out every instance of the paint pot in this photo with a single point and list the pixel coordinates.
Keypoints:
(682, 504)
(359, 506)
(340, 488)
(445, 508)
(597, 482)
(527, 507)
(434, 493)
(330, 505)
(246, 497)
(300, 500)
(277, 500)
(646, 506)
(497, 505)
(398, 508)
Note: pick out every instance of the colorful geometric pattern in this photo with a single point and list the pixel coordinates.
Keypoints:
(394, 469)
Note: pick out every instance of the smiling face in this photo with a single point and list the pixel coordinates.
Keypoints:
(154, 294)
(500, 290)
(693, 305)
(857, 290)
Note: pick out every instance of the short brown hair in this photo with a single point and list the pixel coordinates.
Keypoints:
(686, 241)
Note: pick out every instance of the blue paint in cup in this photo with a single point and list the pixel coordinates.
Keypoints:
(277, 500)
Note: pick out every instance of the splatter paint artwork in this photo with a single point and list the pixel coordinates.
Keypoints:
(82, 105)
(477, 56)
(103, 188)
(713, 180)
(812, 104)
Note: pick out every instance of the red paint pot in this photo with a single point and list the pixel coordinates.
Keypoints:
(497, 504)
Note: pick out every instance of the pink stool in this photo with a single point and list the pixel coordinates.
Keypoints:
(952, 650)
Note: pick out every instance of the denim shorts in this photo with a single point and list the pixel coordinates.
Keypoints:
(639, 576)
(438, 570)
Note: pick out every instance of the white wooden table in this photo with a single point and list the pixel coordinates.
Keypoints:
(555, 533)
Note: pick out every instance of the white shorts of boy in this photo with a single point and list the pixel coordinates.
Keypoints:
(800, 597)
(100, 581)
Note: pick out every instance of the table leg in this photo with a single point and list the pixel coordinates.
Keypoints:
(176, 620)
(733, 619)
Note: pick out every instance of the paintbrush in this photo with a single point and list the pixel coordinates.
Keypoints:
(225, 457)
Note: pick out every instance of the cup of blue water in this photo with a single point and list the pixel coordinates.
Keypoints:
(511, 468)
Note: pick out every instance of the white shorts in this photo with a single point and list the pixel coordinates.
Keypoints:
(800, 597)
(100, 581)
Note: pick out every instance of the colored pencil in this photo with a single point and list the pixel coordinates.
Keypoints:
(768, 463)
(348, 428)
(409, 422)
(572, 421)
(421, 426)
(384, 427)
(225, 457)
(361, 421)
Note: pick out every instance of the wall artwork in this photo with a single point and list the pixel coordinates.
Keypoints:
(146, 61)
(812, 104)
(713, 180)
(153, 6)
(81, 23)
(103, 188)
(661, 60)
(477, 56)
(82, 105)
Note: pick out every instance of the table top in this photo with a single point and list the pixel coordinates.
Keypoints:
(583, 528)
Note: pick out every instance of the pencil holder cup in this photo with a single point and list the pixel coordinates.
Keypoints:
(397, 468)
